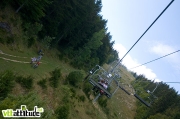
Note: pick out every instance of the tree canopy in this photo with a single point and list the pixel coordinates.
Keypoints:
(75, 28)
(80, 32)
(165, 106)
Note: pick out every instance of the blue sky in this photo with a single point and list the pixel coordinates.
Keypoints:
(128, 19)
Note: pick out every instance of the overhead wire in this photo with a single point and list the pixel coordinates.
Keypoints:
(171, 82)
(156, 59)
(143, 34)
(144, 102)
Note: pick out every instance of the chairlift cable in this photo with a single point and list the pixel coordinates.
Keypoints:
(155, 59)
(171, 82)
(108, 75)
(142, 34)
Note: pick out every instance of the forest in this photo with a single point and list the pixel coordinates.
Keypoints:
(164, 100)
(74, 27)
(77, 30)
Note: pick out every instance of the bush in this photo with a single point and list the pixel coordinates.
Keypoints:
(47, 41)
(30, 99)
(73, 92)
(82, 98)
(26, 82)
(75, 77)
(7, 103)
(67, 94)
(55, 77)
(62, 112)
(6, 83)
(31, 30)
(42, 83)
(102, 102)
(86, 89)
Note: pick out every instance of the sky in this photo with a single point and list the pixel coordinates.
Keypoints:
(127, 21)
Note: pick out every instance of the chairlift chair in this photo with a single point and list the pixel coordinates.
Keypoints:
(98, 73)
(151, 98)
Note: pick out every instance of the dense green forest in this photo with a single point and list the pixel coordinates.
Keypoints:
(74, 27)
(77, 30)
(165, 101)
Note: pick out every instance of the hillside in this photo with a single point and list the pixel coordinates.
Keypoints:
(120, 105)
(74, 38)
(48, 85)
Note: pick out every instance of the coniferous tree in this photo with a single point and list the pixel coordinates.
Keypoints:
(31, 10)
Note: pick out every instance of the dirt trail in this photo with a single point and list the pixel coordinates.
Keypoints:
(12, 59)
(11, 55)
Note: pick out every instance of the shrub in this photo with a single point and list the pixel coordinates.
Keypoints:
(7, 103)
(32, 30)
(29, 99)
(55, 77)
(62, 112)
(75, 77)
(82, 98)
(26, 82)
(67, 94)
(102, 102)
(73, 92)
(86, 89)
(42, 83)
(6, 83)
(47, 41)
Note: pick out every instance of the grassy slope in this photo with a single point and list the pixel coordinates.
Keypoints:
(50, 96)
(120, 105)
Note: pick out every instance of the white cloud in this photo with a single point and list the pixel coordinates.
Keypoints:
(162, 49)
(129, 62)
